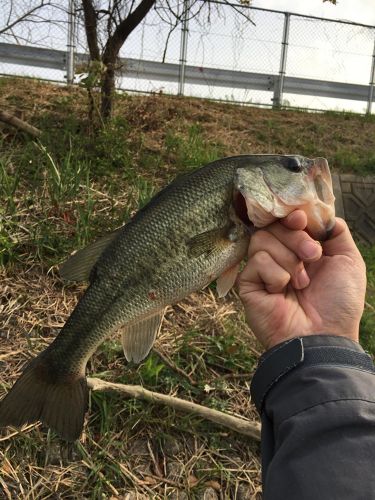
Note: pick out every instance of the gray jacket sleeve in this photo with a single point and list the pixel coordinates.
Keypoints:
(316, 398)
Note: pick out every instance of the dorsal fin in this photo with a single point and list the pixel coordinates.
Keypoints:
(79, 265)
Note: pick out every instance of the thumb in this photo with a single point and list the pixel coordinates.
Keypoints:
(341, 241)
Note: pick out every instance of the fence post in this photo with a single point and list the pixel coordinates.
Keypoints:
(372, 81)
(183, 48)
(71, 43)
(279, 86)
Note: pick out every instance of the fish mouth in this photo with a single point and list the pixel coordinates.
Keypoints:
(321, 176)
(241, 211)
(322, 220)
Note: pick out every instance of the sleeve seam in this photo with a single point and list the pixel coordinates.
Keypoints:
(321, 403)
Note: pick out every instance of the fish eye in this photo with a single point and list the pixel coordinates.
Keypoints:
(293, 164)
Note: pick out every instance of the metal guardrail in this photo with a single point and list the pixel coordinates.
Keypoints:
(134, 68)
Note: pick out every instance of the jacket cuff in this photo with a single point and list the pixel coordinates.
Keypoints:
(301, 352)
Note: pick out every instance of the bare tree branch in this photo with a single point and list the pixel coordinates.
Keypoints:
(124, 29)
(180, 15)
(236, 8)
(23, 17)
(10, 14)
(20, 124)
(239, 11)
(167, 40)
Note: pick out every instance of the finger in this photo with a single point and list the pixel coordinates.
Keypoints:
(299, 242)
(296, 220)
(341, 241)
(262, 273)
(288, 260)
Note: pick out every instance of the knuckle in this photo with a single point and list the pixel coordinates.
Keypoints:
(280, 282)
(259, 239)
(282, 278)
(261, 258)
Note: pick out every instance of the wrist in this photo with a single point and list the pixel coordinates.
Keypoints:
(276, 340)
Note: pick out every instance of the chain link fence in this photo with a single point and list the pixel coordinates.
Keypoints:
(228, 52)
(329, 51)
(46, 28)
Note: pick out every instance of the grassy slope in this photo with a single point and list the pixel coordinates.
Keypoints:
(71, 187)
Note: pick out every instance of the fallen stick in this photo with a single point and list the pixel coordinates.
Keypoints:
(239, 425)
(20, 124)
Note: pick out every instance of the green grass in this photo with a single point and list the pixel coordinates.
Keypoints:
(367, 327)
(349, 160)
(190, 150)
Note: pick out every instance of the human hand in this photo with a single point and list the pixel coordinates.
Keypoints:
(292, 286)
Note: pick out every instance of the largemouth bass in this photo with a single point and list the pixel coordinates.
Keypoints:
(194, 231)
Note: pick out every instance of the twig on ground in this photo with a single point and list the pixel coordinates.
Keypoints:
(23, 431)
(251, 429)
(369, 306)
(20, 124)
(161, 479)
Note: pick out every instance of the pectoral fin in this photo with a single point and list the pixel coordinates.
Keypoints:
(226, 280)
(138, 338)
(80, 264)
(209, 242)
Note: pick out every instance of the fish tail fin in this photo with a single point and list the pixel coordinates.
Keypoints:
(42, 394)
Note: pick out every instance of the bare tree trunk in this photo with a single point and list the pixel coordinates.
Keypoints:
(112, 48)
(91, 30)
(107, 92)
(111, 52)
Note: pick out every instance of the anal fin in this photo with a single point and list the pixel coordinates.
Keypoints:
(138, 338)
(226, 280)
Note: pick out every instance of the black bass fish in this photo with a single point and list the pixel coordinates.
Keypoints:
(194, 231)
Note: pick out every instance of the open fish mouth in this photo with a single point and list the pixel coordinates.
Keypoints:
(241, 211)
(269, 192)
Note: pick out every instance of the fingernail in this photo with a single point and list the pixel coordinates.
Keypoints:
(309, 249)
(302, 279)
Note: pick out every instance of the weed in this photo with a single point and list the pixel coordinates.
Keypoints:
(9, 181)
(193, 150)
(348, 159)
(367, 329)
(367, 326)
(150, 370)
(143, 191)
